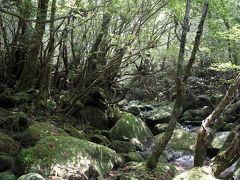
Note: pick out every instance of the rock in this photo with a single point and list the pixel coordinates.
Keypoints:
(219, 140)
(182, 140)
(139, 146)
(40, 130)
(196, 114)
(237, 173)
(31, 176)
(159, 115)
(122, 146)
(100, 139)
(159, 128)
(202, 173)
(133, 156)
(59, 155)
(8, 145)
(74, 132)
(6, 162)
(229, 126)
(7, 175)
(137, 170)
(130, 127)
(11, 101)
(95, 117)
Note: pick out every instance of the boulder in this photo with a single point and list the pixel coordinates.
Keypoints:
(133, 156)
(122, 146)
(100, 139)
(202, 173)
(159, 115)
(95, 117)
(128, 127)
(31, 176)
(219, 140)
(40, 130)
(8, 145)
(7, 175)
(160, 128)
(196, 114)
(60, 155)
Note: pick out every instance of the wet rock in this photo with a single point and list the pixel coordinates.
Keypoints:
(8, 145)
(122, 146)
(31, 176)
(129, 127)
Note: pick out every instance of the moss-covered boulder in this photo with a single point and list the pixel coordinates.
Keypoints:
(95, 117)
(31, 176)
(7, 175)
(137, 170)
(128, 127)
(133, 156)
(182, 140)
(219, 140)
(74, 132)
(40, 130)
(122, 146)
(56, 155)
(8, 145)
(203, 173)
(99, 139)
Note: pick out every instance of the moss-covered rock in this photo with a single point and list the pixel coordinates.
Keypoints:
(219, 140)
(130, 127)
(56, 155)
(7, 175)
(133, 156)
(122, 146)
(31, 176)
(95, 117)
(74, 132)
(182, 140)
(203, 173)
(100, 139)
(137, 170)
(8, 145)
(40, 130)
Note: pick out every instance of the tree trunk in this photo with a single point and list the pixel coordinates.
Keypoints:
(206, 134)
(177, 110)
(30, 66)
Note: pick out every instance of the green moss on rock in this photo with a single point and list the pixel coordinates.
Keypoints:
(122, 146)
(7, 175)
(129, 126)
(55, 155)
(8, 145)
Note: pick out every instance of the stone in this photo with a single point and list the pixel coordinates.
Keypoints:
(40, 130)
(128, 127)
(133, 156)
(11, 101)
(122, 146)
(202, 173)
(57, 155)
(160, 128)
(219, 140)
(95, 117)
(8, 145)
(7, 175)
(31, 176)
(100, 139)
(159, 115)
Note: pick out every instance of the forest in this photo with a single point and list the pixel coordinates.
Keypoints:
(119, 89)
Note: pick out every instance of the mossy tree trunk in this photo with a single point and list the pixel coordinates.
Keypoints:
(206, 134)
(30, 66)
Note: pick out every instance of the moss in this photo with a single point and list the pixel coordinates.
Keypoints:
(130, 127)
(8, 145)
(122, 146)
(74, 132)
(56, 154)
(7, 175)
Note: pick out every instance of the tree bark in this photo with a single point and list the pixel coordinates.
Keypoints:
(177, 110)
(30, 66)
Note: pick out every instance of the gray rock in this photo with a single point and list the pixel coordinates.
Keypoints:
(31, 176)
